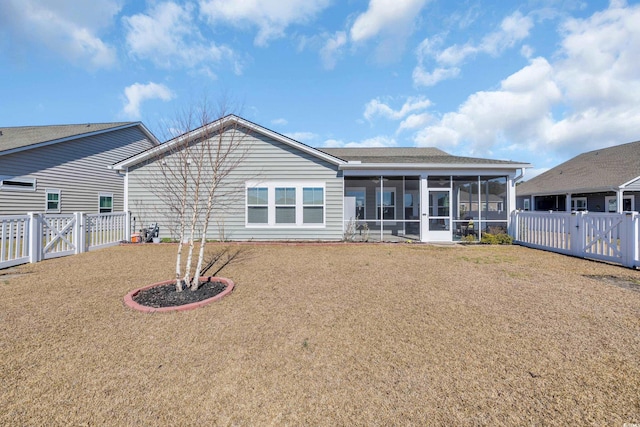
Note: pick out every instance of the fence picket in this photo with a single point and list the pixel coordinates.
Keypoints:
(612, 237)
(35, 236)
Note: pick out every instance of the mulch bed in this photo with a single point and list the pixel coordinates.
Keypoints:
(166, 295)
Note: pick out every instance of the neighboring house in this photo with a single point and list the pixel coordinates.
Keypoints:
(65, 168)
(286, 190)
(604, 180)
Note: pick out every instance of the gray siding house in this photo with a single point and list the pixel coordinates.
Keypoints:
(604, 180)
(65, 168)
(281, 189)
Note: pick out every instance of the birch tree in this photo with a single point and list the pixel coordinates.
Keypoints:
(196, 183)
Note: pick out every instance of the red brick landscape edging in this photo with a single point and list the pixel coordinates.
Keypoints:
(129, 302)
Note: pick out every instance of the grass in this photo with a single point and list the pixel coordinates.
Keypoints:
(365, 334)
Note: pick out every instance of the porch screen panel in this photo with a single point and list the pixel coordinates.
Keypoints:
(493, 195)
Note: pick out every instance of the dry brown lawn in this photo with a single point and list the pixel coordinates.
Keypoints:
(374, 334)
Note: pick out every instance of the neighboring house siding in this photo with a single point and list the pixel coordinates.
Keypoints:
(266, 160)
(78, 168)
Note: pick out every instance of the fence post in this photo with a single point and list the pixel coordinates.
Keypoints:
(575, 239)
(79, 233)
(35, 237)
(127, 227)
(629, 239)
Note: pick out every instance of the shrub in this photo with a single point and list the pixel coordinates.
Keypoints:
(496, 239)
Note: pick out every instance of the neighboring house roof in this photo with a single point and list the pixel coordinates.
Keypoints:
(15, 139)
(600, 170)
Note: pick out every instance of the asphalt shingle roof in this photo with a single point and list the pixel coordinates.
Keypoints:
(428, 155)
(23, 136)
(597, 170)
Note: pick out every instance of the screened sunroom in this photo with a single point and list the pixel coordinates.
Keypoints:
(457, 208)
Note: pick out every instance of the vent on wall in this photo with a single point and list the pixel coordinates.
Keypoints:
(19, 184)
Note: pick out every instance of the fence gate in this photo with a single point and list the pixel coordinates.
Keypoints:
(602, 237)
(58, 234)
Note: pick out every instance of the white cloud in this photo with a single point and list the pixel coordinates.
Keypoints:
(332, 49)
(587, 97)
(68, 28)
(415, 121)
(377, 141)
(279, 121)
(392, 21)
(513, 29)
(137, 93)
(421, 77)
(272, 17)
(385, 16)
(167, 34)
(375, 107)
(516, 112)
(305, 137)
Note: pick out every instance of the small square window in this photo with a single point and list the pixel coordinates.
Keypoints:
(106, 203)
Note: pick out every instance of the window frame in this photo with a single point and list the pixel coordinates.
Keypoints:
(313, 205)
(100, 196)
(299, 205)
(574, 204)
(607, 200)
(4, 186)
(57, 192)
(256, 205)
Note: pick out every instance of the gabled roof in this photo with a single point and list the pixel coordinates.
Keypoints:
(595, 171)
(344, 158)
(15, 139)
(211, 129)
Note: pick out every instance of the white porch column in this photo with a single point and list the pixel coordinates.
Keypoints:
(511, 200)
(568, 203)
(424, 207)
(619, 201)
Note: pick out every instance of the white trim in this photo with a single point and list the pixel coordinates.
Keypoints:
(48, 191)
(299, 203)
(7, 187)
(442, 168)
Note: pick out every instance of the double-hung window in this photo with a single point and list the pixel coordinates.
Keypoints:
(284, 204)
(313, 205)
(257, 205)
(52, 201)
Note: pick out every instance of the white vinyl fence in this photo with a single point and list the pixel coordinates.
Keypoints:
(611, 237)
(34, 237)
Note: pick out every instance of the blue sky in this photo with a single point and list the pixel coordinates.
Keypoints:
(537, 81)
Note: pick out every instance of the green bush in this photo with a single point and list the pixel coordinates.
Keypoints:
(496, 239)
